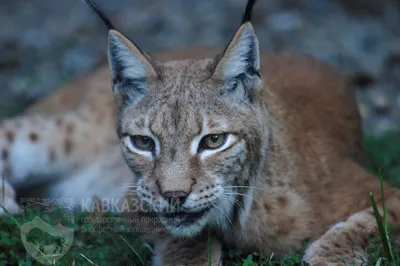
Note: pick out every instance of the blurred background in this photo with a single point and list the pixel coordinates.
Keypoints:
(45, 43)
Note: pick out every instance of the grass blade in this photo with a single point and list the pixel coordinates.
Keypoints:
(10, 216)
(3, 180)
(209, 248)
(381, 229)
(134, 251)
(86, 258)
(390, 250)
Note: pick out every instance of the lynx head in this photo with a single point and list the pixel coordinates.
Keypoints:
(192, 129)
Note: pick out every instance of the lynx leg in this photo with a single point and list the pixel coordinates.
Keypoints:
(188, 252)
(346, 242)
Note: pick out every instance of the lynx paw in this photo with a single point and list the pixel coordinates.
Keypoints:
(334, 248)
(7, 198)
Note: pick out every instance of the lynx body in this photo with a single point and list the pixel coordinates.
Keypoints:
(263, 150)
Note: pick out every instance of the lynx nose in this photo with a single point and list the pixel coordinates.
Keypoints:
(175, 198)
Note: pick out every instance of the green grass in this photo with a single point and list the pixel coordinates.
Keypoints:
(384, 154)
(87, 248)
(123, 248)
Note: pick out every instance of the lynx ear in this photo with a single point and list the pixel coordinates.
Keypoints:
(239, 66)
(241, 56)
(130, 67)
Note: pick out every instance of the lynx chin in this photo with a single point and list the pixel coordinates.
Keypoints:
(262, 149)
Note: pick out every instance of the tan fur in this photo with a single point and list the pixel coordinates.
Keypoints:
(311, 182)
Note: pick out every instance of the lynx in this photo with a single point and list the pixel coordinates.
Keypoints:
(263, 151)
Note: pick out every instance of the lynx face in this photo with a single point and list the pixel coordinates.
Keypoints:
(191, 130)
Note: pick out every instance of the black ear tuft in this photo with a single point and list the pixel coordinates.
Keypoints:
(100, 13)
(249, 11)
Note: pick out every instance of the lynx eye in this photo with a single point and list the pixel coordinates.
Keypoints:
(142, 142)
(213, 141)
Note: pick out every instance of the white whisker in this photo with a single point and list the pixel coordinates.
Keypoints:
(244, 195)
(126, 187)
(232, 198)
(230, 221)
(248, 187)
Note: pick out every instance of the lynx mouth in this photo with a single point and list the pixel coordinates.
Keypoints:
(183, 219)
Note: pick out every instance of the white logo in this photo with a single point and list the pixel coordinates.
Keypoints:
(44, 242)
